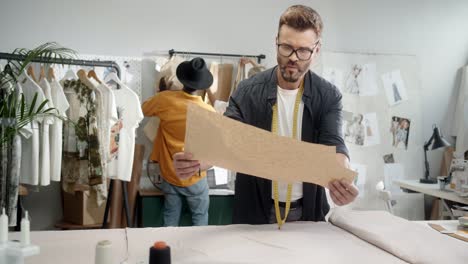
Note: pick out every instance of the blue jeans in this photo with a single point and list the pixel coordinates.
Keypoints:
(198, 200)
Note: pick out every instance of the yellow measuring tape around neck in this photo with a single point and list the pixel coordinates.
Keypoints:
(274, 129)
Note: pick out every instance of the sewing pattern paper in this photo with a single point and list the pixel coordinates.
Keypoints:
(223, 142)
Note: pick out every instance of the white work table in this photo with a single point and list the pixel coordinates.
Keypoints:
(296, 243)
(431, 189)
(299, 242)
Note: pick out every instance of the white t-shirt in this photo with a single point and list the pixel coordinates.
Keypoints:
(44, 145)
(108, 119)
(30, 146)
(286, 100)
(56, 130)
(130, 115)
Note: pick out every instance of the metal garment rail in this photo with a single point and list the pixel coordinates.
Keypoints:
(259, 57)
(92, 63)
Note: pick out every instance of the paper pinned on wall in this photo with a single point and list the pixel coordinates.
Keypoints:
(361, 129)
(388, 158)
(369, 82)
(221, 175)
(334, 76)
(371, 129)
(353, 128)
(224, 142)
(393, 172)
(400, 130)
(361, 171)
(394, 87)
(362, 80)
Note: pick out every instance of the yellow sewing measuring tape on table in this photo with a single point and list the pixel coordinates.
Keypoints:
(274, 129)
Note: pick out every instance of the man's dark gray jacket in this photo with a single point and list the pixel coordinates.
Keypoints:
(252, 104)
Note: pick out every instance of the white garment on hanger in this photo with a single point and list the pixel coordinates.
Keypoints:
(56, 130)
(130, 114)
(44, 143)
(30, 146)
(108, 119)
(460, 122)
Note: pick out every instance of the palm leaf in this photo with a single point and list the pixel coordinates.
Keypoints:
(32, 105)
(15, 106)
(41, 106)
(23, 106)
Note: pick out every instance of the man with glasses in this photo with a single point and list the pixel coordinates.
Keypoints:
(289, 100)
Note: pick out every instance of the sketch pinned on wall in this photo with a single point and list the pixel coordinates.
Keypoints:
(369, 87)
(362, 80)
(354, 80)
(393, 172)
(360, 180)
(334, 76)
(389, 158)
(371, 129)
(394, 87)
(354, 129)
(361, 129)
(400, 130)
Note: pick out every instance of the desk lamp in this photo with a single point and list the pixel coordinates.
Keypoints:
(439, 142)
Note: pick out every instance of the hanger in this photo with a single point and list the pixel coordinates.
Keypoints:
(112, 77)
(70, 74)
(30, 72)
(51, 73)
(7, 69)
(82, 75)
(84, 78)
(92, 74)
(42, 73)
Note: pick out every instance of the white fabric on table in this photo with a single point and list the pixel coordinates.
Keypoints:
(407, 240)
(299, 242)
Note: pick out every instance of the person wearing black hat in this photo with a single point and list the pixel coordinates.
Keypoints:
(289, 100)
(171, 108)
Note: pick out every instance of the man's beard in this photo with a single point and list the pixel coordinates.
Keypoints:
(291, 77)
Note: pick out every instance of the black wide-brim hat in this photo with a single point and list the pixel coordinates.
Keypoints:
(194, 74)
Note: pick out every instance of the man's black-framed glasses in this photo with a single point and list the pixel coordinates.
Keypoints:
(302, 54)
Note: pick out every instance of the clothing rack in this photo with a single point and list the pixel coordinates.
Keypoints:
(259, 57)
(91, 63)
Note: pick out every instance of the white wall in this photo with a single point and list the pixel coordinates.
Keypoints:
(434, 31)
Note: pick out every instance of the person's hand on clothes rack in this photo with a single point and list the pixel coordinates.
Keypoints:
(244, 61)
(186, 167)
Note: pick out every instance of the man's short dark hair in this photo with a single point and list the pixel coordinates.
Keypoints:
(302, 18)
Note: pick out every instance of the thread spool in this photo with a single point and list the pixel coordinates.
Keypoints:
(3, 227)
(103, 252)
(25, 230)
(160, 253)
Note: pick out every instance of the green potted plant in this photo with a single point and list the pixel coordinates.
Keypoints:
(15, 112)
